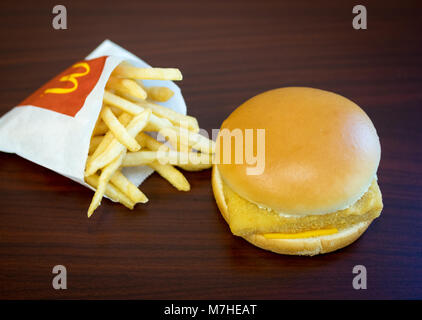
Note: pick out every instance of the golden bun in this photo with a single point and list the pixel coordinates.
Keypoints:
(307, 246)
(321, 152)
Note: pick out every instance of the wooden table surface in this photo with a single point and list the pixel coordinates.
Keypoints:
(177, 245)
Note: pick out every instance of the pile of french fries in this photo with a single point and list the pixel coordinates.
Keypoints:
(120, 140)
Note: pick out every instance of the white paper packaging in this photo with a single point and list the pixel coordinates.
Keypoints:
(59, 141)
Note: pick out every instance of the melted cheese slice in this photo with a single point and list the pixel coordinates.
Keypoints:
(300, 235)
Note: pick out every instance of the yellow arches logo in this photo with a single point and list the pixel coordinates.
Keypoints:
(66, 92)
(71, 78)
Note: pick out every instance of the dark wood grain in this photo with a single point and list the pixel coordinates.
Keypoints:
(178, 246)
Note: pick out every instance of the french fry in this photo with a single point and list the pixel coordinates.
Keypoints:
(134, 159)
(125, 70)
(118, 130)
(95, 141)
(160, 111)
(155, 123)
(117, 111)
(185, 158)
(172, 157)
(102, 146)
(198, 141)
(195, 167)
(124, 119)
(172, 175)
(100, 128)
(105, 176)
(160, 94)
(126, 86)
(128, 188)
(121, 103)
(149, 142)
(174, 117)
(111, 191)
(188, 138)
(115, 147)
(183, 140)
(177, 139)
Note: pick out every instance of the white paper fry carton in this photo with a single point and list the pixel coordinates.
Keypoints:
(53, 126)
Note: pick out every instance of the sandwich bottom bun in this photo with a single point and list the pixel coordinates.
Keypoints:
(305, 246)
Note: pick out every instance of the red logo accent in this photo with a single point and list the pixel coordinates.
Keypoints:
(66, 93)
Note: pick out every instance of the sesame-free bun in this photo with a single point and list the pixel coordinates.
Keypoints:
(306, 246)
(321, 153)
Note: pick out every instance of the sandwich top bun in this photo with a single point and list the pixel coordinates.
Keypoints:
(321, 151)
